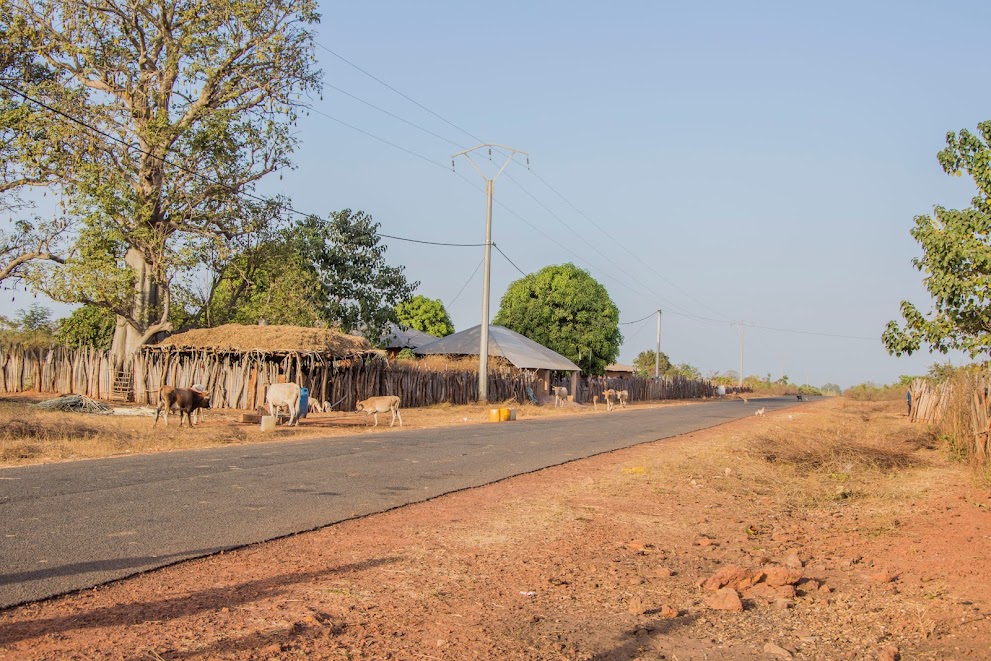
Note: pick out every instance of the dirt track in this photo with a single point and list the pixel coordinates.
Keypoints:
(879, 545)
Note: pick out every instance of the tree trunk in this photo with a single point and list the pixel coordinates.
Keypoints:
(146, 310)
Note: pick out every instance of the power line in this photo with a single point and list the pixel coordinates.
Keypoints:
(467, 282)
(436, 243)
(628, 323)
(387, 85)
(509, 260)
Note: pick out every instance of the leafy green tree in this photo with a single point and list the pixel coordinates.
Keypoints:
(425, 314)
(31, 327)
(646, 361)
(832, 388)
(157, 118)
(685, 370)
(87, 326)
(956, 261)
(318, 271)
(566, 310)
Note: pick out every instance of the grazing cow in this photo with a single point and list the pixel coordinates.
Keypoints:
(313, 406)
(560, 395)
(375, 405)
(284, 394)
(187, 400)
(623, 396)
(610, 397)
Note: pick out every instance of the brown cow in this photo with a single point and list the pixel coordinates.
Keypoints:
(186, 399)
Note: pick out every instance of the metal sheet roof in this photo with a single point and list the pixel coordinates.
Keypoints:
(520, 351)
(396, 337)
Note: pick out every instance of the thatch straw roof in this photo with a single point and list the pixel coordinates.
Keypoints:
(267, 339)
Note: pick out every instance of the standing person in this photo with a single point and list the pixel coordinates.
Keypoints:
(908, 398)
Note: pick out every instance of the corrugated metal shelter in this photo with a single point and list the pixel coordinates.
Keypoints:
(397, 338)
(521, 351)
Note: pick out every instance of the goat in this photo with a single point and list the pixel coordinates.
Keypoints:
(560, 395)
(284, 394)
(186, 399)
(375, 405)
(799, 397)
(759, 412)
(327, 407)
(313, 406)
(595, 402)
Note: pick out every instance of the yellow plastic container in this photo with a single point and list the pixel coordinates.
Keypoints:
(268, 423)
(503, 415)
(494, 415)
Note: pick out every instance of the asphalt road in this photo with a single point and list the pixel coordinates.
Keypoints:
(74, 525)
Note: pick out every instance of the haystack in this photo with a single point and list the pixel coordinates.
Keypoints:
(276, 340)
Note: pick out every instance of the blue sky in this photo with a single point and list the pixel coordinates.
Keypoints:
(759, 161)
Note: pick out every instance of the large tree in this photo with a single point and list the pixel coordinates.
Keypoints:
(956, 261)
(158, 119)
(425, 314)
(567, 310)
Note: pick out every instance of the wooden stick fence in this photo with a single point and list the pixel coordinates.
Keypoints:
(961, 407)
(643, 388)
(239, 380)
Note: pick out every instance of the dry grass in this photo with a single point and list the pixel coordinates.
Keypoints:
(836, 451)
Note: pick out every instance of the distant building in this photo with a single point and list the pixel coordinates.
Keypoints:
(618, 370)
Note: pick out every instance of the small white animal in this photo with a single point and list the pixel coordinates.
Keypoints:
(313, 406)
(375, 405)
(623, 396)
(327, 407)
(759, 411)
(560, 395)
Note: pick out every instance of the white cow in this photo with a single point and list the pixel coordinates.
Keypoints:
(375, 405)
(610, 397)
(284, 394)
(313, 406)
(560, 395)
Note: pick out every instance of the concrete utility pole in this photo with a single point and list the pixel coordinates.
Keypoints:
(657, 358)
(740, 381)
(483, 354)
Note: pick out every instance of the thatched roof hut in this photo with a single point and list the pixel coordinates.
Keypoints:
(236, 363)
(275, 340)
